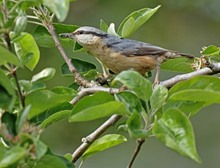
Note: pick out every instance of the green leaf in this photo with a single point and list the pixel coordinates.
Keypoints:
(28, 86)
(91, 74)
(52, 161)
(68, 156)
(78, 48)
(178, 65)
(9, 120)
(96, 106)
(197, 89)
(139, 18)
(29, 3)
(7, 93)
(2, 150)
(20, 24)
(58, 116)
(43, 100)
(137, 83)
(7, 57)
(59, 8)
(193, 102)
(103, 143)
(64, 90)
(158, 97)
(103, 26)
(99, 111)
(44, 39)
(45, 74)
(27, 50)
(131, 101)
(40, 147)
(135, 127)
(6, 83)
(12, 156)
(37, 86)
(53, 114)
(176, 132)
(210, 50)
(197, 95)
(111, 29)
(22, 118)
(92, 100)
(6, 100)
(205, 82)
(81, 66)
(190, 107)
(128, 27)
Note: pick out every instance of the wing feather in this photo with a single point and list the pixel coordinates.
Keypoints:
(135, 48)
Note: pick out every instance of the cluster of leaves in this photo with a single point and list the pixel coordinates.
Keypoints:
(20, 144)
(27, 106)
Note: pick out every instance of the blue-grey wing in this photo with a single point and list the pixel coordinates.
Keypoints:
(135, 48)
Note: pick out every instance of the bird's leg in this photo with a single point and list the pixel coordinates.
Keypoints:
(156, 78)
(103, 79)
(160, 60)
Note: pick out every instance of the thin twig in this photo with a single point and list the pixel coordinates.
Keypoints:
(140, 142)
(93, 136)
(14, 73)
(4, 11)
(36, 23)
(8, 45)
(87, 91)
(33, 17)
(19, 89)
(15, 7)
(204, 71)
(49, 26)
(78, 78)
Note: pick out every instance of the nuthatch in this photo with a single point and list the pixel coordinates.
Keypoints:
(119, 54)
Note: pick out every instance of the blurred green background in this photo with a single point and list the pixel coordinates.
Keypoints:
(181, 25)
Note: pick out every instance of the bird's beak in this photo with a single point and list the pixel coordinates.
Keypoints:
(67, 35)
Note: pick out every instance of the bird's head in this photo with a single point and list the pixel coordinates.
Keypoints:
(85, 35)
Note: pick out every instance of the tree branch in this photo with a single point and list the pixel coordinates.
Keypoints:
(140, 142)
(93, 136)
(112, 120)
(49, 26)
(87, 91)
(214, 69)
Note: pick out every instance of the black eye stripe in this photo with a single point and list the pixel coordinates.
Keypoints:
(90, 32)
(81, 32)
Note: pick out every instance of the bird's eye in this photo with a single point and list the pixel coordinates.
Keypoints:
(81, 32)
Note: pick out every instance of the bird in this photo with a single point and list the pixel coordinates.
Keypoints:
(119, 54)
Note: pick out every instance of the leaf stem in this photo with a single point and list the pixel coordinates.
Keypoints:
(15, 6)
(36, 23)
